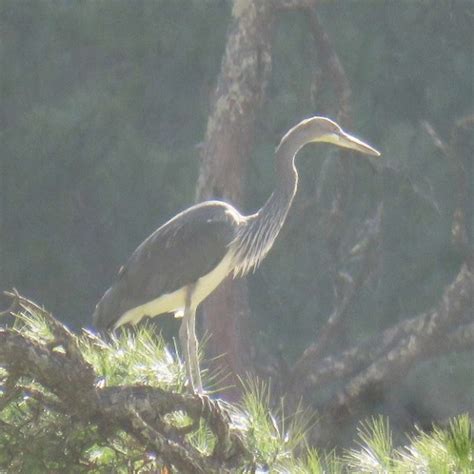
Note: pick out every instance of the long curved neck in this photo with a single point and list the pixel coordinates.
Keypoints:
(278, 204)
(262, 228)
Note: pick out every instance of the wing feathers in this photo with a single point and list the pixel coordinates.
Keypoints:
(178, 253)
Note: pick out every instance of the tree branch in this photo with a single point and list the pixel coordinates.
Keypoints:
(331, 66)
(366, 249)
(401, 347)
(59, 372)
(461, 226)
(140, 411)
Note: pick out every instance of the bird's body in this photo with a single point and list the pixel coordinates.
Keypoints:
(191, 248)
(186, 258)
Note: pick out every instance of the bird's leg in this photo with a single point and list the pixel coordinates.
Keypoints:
(183, 339)
(193, 351)
(189, 343)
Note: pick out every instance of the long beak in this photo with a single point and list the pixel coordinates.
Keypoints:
(348, 141)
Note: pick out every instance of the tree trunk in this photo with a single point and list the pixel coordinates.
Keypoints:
(227, 148)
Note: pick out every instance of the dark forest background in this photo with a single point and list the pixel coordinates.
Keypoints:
(103, 107)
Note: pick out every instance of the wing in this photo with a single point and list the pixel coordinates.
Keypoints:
(177, 254)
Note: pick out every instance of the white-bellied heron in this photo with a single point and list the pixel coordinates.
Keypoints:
(186, 258)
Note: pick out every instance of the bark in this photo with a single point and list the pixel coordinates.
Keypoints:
(386, 359)
(231, 127)
(227, 148)
(140, 411)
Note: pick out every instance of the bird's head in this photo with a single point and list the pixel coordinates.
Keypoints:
(322, 129)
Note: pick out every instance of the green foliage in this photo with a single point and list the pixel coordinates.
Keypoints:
(273, 436)
(443, 450)
(376, 448)
(37, 435)
(134, 357)
(103, 104)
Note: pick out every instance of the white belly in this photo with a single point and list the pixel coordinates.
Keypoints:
(175, 302)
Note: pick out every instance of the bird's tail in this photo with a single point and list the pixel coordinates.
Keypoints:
(108, 309)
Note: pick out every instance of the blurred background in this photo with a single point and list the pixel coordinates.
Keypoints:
(103, 106)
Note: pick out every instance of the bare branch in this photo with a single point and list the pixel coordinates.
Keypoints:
(450, 149)
(421, 338)
(331, 66)
(331, 368)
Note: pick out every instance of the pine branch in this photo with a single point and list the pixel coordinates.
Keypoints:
(68, 384)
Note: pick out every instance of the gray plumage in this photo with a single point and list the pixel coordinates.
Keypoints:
(177, 254)
(184, 260)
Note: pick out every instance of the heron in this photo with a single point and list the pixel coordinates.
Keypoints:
(186, 258)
